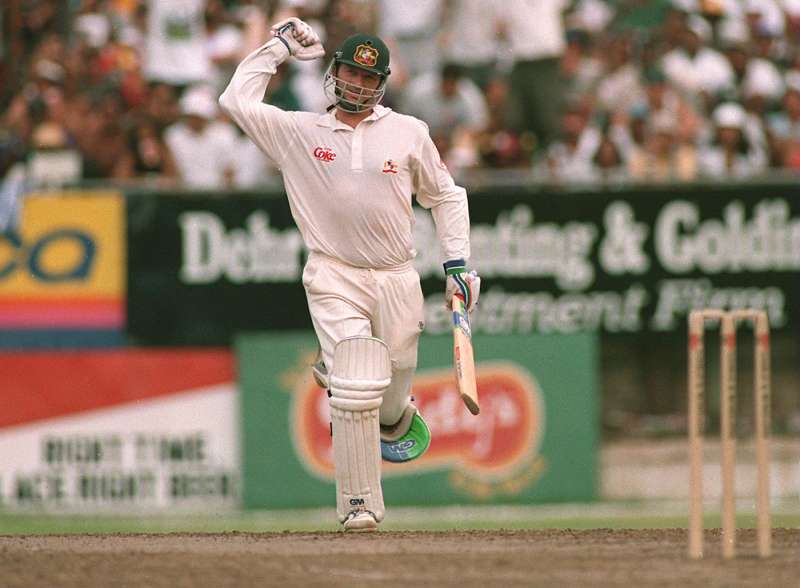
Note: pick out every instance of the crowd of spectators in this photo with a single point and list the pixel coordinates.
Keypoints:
(570, 90)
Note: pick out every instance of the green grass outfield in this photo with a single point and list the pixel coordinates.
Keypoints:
(638, 515)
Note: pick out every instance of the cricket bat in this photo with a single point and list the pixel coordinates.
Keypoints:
(463, 358)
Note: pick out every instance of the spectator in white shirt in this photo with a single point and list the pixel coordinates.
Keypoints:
(619, 87)
(175, 43)
(696, 69)
(581, 67)
(592, 16)
(536, 35)
(446, 101)
(733, 152)
(410, 29)
(204, 148)
(252, 167)
(454, 109)
(665, 155)
(470, 37)
(784, 125)
(664, 102)
(770, 44)
(91, 24)
(765, 15)
(572, 158)
(758, 82)
(762, 84)
(791, 12)
(224, 42)
(608, 164)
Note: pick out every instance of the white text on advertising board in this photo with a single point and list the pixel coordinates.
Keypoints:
(515, 246)
(768, 241)
(256, 253)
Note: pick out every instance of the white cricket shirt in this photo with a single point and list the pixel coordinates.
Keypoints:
(350, 189)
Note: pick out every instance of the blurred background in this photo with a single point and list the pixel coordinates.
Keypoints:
(626, 160)
(581, 90)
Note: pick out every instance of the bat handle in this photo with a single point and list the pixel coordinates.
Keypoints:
(285, 28)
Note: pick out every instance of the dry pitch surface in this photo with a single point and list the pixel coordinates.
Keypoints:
(600, 557)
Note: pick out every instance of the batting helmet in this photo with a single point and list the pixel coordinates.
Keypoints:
(365, 52)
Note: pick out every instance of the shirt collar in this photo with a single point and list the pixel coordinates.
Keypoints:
(328, 119)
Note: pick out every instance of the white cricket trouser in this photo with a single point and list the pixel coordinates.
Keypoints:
(346, 301)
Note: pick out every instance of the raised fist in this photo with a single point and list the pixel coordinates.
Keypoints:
(299, 38)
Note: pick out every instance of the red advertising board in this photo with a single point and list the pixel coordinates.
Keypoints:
(131, 429)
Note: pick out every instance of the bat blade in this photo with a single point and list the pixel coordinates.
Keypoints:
(463, 357)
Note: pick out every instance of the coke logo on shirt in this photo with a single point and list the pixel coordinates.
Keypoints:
(324, 154)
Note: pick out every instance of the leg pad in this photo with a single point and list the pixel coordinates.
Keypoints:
(361, 372)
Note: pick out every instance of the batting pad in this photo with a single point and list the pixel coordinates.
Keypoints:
(361, 372)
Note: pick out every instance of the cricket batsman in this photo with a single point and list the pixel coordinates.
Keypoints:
(350, 174)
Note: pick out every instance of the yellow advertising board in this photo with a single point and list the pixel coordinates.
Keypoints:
(64, 265)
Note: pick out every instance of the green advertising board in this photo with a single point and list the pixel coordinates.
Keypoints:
(536, 439)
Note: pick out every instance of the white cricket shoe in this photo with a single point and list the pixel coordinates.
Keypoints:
(360, 521)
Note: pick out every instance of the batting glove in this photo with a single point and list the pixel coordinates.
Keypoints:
(299, 38)
(459, 281)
